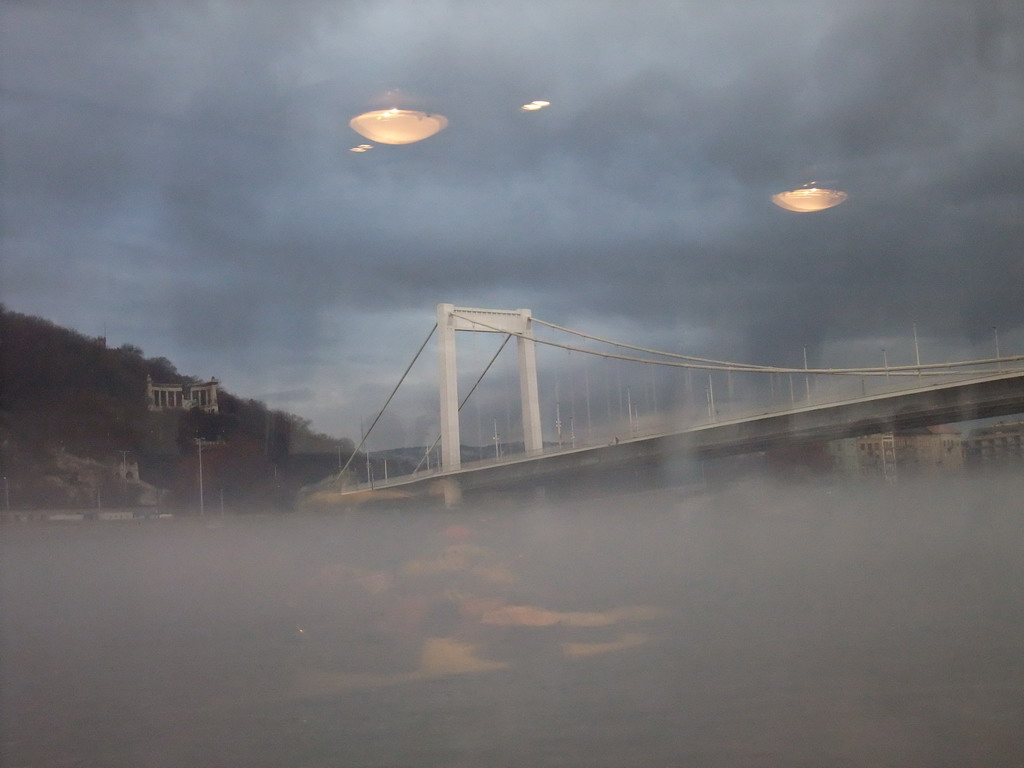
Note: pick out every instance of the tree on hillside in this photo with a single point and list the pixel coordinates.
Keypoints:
(64, 393)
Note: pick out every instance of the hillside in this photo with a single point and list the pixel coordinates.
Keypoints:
(76, 430)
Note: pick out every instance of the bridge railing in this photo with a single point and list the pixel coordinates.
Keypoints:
(804, 394)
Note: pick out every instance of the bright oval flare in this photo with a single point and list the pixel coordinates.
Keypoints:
(809, 199)
(397, 126)
(534, 105)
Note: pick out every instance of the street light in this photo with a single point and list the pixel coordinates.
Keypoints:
(558, 422)
(711, 398)
(917, 352)
(807, 379)
(202, 507)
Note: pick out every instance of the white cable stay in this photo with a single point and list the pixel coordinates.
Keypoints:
(465, 400)
(408, 368)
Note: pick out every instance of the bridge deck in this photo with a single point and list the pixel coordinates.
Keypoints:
(920, 406)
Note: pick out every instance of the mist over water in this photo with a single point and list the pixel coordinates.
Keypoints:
(756, 625)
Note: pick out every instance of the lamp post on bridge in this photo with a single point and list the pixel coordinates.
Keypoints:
(629, 410)
(711, 398)
(366, 451)
(999, 364)
(558, 422)
(202, 507)
(807, 378)
(917, 353)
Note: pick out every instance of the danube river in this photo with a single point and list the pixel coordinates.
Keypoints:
(756, 625)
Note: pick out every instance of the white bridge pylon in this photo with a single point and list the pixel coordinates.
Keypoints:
(518, 322)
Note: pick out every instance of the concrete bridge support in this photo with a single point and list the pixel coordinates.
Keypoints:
(518, 322)
(452, 490)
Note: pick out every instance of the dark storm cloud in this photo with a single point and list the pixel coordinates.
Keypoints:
(187, 163)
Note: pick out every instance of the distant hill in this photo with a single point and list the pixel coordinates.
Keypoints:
(74, 416)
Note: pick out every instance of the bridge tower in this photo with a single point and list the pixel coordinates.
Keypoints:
(518, 322)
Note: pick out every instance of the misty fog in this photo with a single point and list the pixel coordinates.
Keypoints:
(755, 624)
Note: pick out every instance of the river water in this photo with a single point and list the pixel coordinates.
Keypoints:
(757, 625)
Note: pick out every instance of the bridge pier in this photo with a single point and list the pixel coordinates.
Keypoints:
(517, 322)
(452, 490)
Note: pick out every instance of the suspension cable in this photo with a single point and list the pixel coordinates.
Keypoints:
(925, 369)
(388, 402)
(673, 355)
(776, 369)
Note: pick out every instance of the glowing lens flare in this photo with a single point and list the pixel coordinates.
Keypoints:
(397, 126)
(809, 199)
(535, 105)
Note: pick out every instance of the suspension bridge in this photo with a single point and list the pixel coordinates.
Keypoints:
(651, 425)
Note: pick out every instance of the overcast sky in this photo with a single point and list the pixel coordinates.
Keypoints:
(177, 175)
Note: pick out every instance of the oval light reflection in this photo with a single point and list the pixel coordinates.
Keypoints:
(809, 199)
(397, 126)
